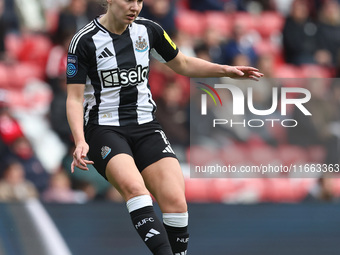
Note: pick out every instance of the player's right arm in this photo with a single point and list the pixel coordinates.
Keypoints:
(74, 111)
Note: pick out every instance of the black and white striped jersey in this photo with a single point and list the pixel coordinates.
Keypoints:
(115, 70)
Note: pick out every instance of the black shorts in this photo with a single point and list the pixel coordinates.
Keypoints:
(146, 143)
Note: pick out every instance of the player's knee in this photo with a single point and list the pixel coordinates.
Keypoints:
(175, 204)
(133, 190)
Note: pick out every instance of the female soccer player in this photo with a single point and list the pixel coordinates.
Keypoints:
(111, 114)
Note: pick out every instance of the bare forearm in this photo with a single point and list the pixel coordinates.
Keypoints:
(74, 110)
(199, 68)
(195, 67)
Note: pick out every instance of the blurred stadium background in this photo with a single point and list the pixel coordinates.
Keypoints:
(81, 214)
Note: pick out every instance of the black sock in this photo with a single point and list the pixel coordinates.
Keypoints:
(151, 230)
(178, 238)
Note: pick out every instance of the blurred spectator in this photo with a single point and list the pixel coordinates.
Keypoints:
(313, 130)
(10, 129)
(160, 75)
(14, 186)
(162, 12)
(8, 17)
(92, 183)
(210, 48)
(58, 117)
(266, 64)
(71, 19)
(4, 152)
(55, 4)
(261, 5)
(322, 191)
(56, 61)
(22, 150)
(184, 42)
(329, 33)
(333, 145)
(283, 6)
(55, 72)
(31, 15)
(214, 5)
(299, 35)
(171, 113)
(3, 28)
(94, 9)
(60, 190)
(241, 42)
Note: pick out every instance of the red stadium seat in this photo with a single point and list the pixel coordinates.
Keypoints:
(336, 186)
(190, 22)
(197, 190)
(201, 155)
(287, 71)
(220, 21)
(220, 189)
(13, 44)
(23, 72)
(246, 20)
(234, 155)
(291, 154)
(4, 76)
(269, 24)
(35, 49)
(316, 154)
(315, 71)
(263, 155)
(267, 46)
(280, 190)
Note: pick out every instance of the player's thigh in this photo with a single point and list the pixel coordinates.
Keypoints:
(123, 174)
(164, 179)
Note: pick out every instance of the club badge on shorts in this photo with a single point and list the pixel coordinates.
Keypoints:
(105, 151)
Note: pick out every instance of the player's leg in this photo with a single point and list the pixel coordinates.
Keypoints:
(164, 179)
(123, 174)
(112, 158)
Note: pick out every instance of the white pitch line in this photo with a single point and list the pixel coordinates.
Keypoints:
(51, 237)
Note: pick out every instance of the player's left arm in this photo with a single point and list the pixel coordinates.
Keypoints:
(196, 67)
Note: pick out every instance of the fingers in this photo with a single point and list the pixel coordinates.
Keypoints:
(72, 167)
(257, 74)
(79, 159)
(81, 163)
(247, 68)
(250, 72)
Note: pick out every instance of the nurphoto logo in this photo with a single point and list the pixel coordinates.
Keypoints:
(243, 101)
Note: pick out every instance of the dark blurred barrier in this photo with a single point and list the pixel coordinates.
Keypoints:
(263, 229)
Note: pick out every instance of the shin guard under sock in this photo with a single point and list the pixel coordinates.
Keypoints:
(148, 226)
(176, 225)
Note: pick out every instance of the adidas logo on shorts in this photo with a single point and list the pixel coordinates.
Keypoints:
(168, 149)
(182, 253)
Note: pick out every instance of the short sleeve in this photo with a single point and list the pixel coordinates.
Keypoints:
(164, 49)
(77, 63)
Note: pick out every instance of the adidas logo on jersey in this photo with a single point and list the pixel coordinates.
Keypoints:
(105, 53)
(152, 232)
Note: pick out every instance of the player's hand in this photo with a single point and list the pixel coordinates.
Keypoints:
(244, 72)
(79, 157)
